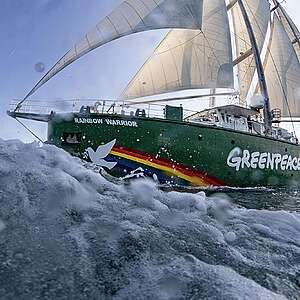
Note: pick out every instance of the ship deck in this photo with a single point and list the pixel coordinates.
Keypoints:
(45, 111)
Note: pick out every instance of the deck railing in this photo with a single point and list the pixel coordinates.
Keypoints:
(95, 106)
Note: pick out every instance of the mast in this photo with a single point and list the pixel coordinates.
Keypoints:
(260, 70)
(212, 98)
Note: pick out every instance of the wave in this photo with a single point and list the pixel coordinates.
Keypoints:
(68, 233)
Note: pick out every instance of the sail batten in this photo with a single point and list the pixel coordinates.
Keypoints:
(189, 59)
(243, 56)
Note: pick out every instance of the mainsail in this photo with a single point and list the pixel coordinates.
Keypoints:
(259, 15)
(197, 51)
(282, 70)
(189, 59)
(130, 17)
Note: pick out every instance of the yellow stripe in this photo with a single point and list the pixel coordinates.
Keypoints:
(171, 172)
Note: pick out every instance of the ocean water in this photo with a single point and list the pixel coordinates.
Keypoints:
(66, 232)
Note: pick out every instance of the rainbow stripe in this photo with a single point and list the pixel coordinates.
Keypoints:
(171, 169)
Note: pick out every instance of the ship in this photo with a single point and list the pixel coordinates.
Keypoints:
(238, 58)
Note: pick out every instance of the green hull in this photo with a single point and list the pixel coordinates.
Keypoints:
(178, 152)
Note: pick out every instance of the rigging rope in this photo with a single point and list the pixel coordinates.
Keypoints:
(30, 131)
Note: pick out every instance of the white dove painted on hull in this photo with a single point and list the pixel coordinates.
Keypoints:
(97, 157)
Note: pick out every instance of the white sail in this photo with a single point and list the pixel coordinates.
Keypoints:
(290, 28)
(282, 70)
(259, 14)
(189, 59)
(130, 17)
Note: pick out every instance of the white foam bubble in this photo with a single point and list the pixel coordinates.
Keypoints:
(230, 237)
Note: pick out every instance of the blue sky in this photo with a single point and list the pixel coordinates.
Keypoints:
(35, 31)
(42, 31)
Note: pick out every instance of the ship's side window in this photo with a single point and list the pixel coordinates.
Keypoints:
(72, 138)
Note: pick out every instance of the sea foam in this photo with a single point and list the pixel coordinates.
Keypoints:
(68, 233)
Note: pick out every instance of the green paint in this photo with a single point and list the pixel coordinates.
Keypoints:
(203, 148)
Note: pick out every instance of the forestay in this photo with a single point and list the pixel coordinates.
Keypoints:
(259, 14)
(189, 59)
(130, 17)
(282, 72)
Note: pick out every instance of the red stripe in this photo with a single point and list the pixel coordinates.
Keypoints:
(165, 162)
